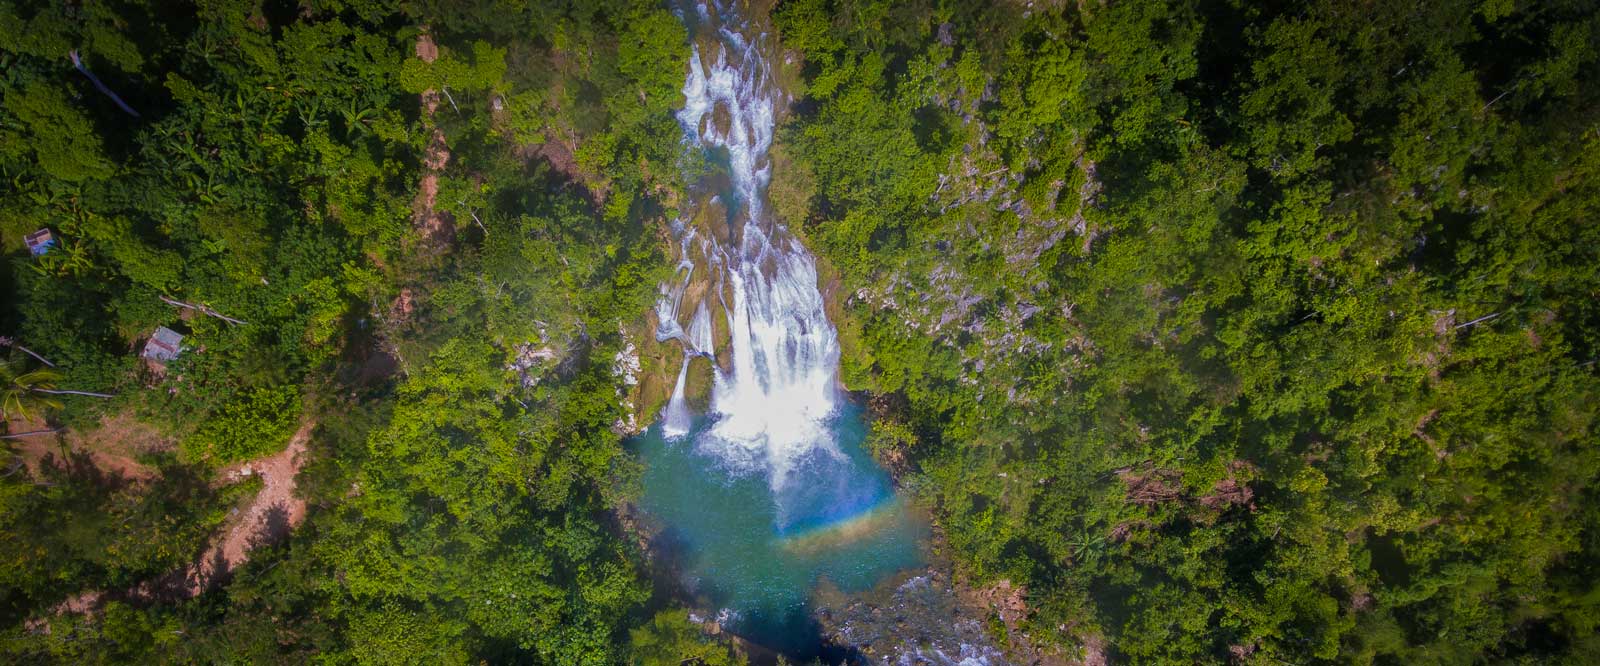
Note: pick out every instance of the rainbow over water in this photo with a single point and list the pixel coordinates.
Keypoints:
(847, 529)
(768, 490)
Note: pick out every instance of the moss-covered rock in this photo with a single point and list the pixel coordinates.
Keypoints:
(721, 334)
(711, 218)
(658, 371)
(697, 384)
(793, 186)
(855, 360)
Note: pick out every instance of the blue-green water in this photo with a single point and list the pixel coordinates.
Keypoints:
(759, 549)
(769, 492)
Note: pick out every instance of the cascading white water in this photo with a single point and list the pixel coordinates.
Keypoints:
(771, 490)
(776, 389)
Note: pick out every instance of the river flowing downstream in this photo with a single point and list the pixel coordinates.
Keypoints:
(756, 467)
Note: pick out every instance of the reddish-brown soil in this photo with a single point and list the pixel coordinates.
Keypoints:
(427, 51)
(435, 227)
(113, 446)
(560, 155)
(270, 515)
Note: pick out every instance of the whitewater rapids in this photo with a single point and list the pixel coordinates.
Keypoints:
(774, 393)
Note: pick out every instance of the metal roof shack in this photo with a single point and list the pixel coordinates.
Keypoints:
(39, 242)
(164, 345)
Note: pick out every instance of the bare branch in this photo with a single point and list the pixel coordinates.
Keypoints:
(203, 309)
(1479, 320)
(474, 215)
(12, 342)
(30, 352)
(447, 95)
(63, 392)
(76, 62)
(31, 433)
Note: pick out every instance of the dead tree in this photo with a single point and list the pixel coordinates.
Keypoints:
(11, 342)
(101, 86)
(1479, 320)
(65, 392)
(202, 309)
(19, 435)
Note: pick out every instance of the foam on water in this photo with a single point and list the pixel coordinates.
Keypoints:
(770, 406)
(770, 492)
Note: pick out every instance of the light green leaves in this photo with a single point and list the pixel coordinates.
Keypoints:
(60, 136)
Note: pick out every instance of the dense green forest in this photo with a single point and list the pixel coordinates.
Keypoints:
(463, 461)
(1228, 332)
(1233, 331)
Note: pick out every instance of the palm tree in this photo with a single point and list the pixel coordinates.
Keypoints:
(1087, 547)
(21, 392)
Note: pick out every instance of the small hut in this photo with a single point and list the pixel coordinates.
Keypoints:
(164, 345)
(40, 242)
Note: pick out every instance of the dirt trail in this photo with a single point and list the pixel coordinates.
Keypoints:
(271, 514)
(436, 156)
(112, 447)
(269, 517)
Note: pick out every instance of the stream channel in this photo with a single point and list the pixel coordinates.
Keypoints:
(764, 488)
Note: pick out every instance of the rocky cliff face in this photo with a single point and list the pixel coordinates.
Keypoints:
(978, 284)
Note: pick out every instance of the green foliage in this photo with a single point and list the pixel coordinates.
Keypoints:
(60, 137)
(458, 507)
(669, 639)
(257, 423)
(86, 527)
(20, 396)
(1232, 333)
(485, 71)
(1235, 334)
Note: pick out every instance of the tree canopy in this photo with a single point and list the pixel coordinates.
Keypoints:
(424, 283)
(1222, 332)
(1235, 333)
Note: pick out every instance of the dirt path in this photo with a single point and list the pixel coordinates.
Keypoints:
(112, 446)
(270, 516)
(436, 156)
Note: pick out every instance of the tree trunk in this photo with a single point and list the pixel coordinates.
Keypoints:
(203, 309)
(12, 342)
(61, 392)
(31, 433)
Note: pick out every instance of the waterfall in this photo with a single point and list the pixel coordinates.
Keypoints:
(757, 467)
(775, 384)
